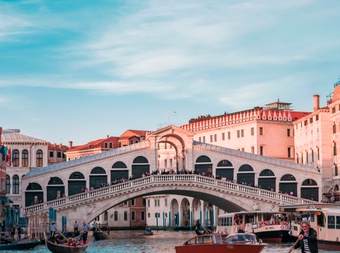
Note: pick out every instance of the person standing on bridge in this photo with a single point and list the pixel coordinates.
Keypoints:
(85, 229)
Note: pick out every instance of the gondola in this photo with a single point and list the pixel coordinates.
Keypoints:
(20, 245)
(64, 248)
(99, 235)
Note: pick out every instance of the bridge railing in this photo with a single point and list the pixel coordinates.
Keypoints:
(189, 178)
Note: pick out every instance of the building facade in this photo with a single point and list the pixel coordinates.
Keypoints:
(27, 154)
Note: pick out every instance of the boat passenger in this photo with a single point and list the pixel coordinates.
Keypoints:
(240, 229)
(94, 226)
(307, 239)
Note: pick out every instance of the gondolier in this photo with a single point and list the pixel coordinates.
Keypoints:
(85, 229)
(53, 229)
(76, 228)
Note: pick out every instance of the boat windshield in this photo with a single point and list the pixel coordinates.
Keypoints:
(241, 238)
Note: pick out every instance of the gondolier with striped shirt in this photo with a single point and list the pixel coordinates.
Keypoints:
(85, 229)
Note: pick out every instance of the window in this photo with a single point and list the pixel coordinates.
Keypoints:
(229, 136)
(105, 145)
(333, 109)
(334, 128)
(148, 202)
(289, 151)
(261, 130)
(132, 202)
(59, 154)
(316, 117)
(203, 138)
(125, 216)
(318, 153)
(252, 132)
(144, 202)
(8, 185)
(200, 139)
(106, 216)
(111, 145)
(261, 150)
(51, 154)
(142, 215)
(39, 159)
(331, 221)
(252, 150)
(223, 136)
(15, 158)
(116, 216)
(211, 138)
(15, 184)
(215, 137)
(165, 202)
(337, 222)
(311, 120)
(334, 148)
(238, 133)
(288, 132)
(24, 158)
(242, 133)
(133, 215)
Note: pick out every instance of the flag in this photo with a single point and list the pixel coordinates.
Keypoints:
(9, 157)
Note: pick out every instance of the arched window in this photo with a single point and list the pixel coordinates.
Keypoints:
(39, 158)
(106, 216)
(8, 185)
(15, 184)
(116, 216)
(15, 158)
(125, 216)
(24, 158)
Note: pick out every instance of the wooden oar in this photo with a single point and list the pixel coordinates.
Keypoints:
(293, 245)
(105, 233)
(64, 237)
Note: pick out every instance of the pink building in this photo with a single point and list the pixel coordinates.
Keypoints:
(266, 131)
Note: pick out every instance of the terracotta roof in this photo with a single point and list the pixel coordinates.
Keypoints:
(95, 144)
(130, 133)
(14, 135)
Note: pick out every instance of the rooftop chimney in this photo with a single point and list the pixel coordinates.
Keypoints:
(316, 102)
(70, 144)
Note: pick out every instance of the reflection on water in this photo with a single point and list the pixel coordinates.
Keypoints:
(160, 242)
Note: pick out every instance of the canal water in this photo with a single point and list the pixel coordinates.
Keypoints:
(159, 242)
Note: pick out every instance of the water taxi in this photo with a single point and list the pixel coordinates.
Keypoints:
(324, 218)
(266, 225)
(221, 243)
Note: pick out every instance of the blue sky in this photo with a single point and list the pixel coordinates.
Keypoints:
(81, 70)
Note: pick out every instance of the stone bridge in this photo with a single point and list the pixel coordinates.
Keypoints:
(228, 196)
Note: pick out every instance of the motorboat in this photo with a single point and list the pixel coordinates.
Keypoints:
(222, 243)
(269, 226)
(323, 217)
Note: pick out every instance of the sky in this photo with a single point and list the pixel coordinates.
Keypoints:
(81, 70)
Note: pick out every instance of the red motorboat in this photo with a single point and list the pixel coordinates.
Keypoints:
(219, 243)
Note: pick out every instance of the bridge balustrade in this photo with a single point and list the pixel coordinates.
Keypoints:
(234, 187)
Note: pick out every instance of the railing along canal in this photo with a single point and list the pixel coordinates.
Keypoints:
(174, 178)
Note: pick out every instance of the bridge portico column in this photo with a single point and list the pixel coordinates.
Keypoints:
(202, 216)
(180, 215)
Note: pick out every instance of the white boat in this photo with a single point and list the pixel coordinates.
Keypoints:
(324, 218)
(266, 225)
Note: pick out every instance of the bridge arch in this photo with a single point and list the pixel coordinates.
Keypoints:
(225, 169)
(98, 178)
(119, 171)
(76, 183)
(140, 167)
(34, 194)
(246, 175)
(309, 189)
(55, 188)
(288, 184)
(267, 180)
(203, 166)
